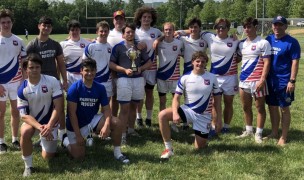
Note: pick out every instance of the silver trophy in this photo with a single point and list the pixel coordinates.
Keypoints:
(133, 54)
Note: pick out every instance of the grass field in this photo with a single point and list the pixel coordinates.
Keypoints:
(225, 158)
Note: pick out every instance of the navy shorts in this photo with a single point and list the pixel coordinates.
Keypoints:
(279, 98)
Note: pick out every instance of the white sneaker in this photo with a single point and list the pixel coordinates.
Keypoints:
(258, 138)
(245, 134)
(167, 153)
(89, 141)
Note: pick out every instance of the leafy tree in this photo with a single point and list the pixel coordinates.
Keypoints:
(193, 12)
(238, 11)
(296, 8)
(223, 9)
(161, 15)
(132, 6)
(208, 14)
(276, 7)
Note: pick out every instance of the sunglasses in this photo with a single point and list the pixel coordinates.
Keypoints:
(221, 27)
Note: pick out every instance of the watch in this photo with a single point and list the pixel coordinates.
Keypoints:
(292, 81)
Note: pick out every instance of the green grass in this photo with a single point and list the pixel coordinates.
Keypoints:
(225, 158)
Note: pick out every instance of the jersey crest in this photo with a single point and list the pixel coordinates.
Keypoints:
(15, 43)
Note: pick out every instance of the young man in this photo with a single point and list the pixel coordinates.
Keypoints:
(84, 99)
(255, 53)
(11, 50)
(39, 104)
(286, 53)
(52, 56)
(198, 87)
(130, 85)
(73, 49)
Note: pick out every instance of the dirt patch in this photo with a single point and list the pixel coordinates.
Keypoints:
(296, 31)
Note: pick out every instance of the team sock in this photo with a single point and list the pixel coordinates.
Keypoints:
(149, 114)
(249, 128)
(28, 161)
(138, 116)
(168, 145)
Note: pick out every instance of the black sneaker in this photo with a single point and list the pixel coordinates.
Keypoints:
(16, 145)
(123, 159)
(139, 123)
(148, 123)
(28, 171)
(63, 137)
(3, 148)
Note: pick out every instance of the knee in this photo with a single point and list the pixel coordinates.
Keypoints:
(116, 123)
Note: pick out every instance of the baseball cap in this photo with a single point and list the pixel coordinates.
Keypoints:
(119, 13)
(279, 19)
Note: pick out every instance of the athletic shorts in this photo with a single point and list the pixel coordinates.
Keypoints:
(73, 77)
(11, 90)
(166, 86)
(85, 130)
(201, 122)
(130, 89)
(279, 98)
(228, 84)
(150, 77)
(250, 88)
(109, 88)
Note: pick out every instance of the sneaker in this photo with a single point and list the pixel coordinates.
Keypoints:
(148, 123)
(245, 134)
(212, 133)
(89, 141)
(62, 140)
(174, 127)
(166, 154)
(28, 171)
(3, 148)
(123, 141)
(124, 159)
(258, 138)
(139, 123)
(16, 145)
(225, 130)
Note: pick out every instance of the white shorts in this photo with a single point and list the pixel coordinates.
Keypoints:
(85, 130)
(130, 89)
(228, 84)
(73, 77)
(150, 77)
(201, 122)
(250, 86)
(166, 86)
(109, 88)
(11, 90)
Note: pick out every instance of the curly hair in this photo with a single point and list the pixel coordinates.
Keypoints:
(139, 13)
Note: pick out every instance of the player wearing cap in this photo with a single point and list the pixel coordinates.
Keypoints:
(286, 53)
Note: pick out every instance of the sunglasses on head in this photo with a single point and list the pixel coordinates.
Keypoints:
(221, 27)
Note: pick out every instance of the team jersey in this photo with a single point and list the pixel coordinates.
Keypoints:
(252, 58)
(37, 99)
(198, 91)
(11, 50)
(88, 102)
(73, 51)
(114, 37)
(284, 51)
(148, 37)
(191, 46)
(222, 51)
(101, 53)
(169, 60)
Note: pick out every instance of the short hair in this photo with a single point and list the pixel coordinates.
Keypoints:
(250, 20)
(45, 20)
(7, 13)
(195, 20)
(139, 13)
(33, 57)
(88, 63)
(103, 24)
(73, 24)
(219, 20)
(198, 54)
(128, 25)
(169, 23)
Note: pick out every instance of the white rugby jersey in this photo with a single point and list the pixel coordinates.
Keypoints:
(37, 100)
(169, 60)
(11, 50)
(252, 54)
(73, 52)
(114, 37)
(101, 53)
(148, 37)
(198, 91)
(190, 46)
(222, 51)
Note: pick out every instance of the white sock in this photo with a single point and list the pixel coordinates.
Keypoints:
(226, 125)
(117, 152)
(28, 161)
(2, 141)
(130, 130)
(149, 114)
(259, 130)
(249, 128)
(138, 116)
(14, 139)
(168, 145)
(61, 132)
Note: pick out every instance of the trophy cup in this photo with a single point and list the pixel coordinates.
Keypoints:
(133, 54)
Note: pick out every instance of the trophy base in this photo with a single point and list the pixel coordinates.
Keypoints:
(134, 69)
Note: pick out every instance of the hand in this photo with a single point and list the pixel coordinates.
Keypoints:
(290, 87)
(141, 46)
(260, 85)
(46, 132)
(2, 91)
(80, 141)
(105, 132)
(138, 71)
(155, 44)
(176, 118)
(129, 72)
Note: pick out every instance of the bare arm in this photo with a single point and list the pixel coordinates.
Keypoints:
(294, 72)
(62, 69)
(106, 129)
(217, 106)
(175, 106)
(261, 83)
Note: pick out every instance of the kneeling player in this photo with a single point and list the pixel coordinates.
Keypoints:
(198, 87)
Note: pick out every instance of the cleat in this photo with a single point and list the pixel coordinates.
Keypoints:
(166, 154)
(3, 148)
(258, 138)
(212, 134)
(139, 123)
(148, 123)
(225, 130)
(245, 134)
(124, 159)
(16, 145)
(28, 171)
(62, 140)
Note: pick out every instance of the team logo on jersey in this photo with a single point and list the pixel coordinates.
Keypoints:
(152, 35)
(206, 81)
(82, 45)
(253, 47)
(201, 44)
(15, 43)
(109, 50)
(229, 44)
(174, 48)
(44, 88)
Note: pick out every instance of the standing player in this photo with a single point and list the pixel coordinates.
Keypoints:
(255, 53)
(115, 35)
(52, 56)
(11, 50)
(73, 49)
(286, 53)
(39, 104)
(26, 34)
(198, 87)
(145, 18)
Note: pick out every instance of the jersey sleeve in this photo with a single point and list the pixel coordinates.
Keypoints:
(59, 49)
(30, 48)
(295, 50)
(22, 102)
(57, 91)
(266, 49)
(87, 52)
(180, 85)
(144, 55)
(72, 94)
(22, 50)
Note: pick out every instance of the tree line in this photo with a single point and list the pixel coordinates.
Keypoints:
(28, 12)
